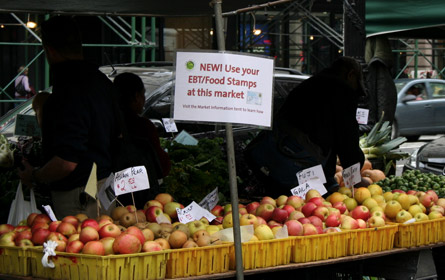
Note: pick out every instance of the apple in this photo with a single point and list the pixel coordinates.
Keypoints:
(131, 208)
(4, 228)
(117, 212)
(251, 207)
(90, 223)
(265, 211)
(198, 225)
(280, 215)
(153, 202)
(273, 224)
(29, 219)
(268, 200)
(392, 208)
(340, 205)
(336, 197)
(163, 242)
(66, 229)
(304, 220)
(53, 225)
(94, 247)
(152, 213)
(60, 239)
(248, 219)
(361, 223)
(309, 229)
(295, 201)
(72, 220)
(39, 236)
(217, 221)
(312, 193)
(164, 198)
(108, 244)
(360, 212)
(441, 202)
(437, 208)
(24, 243)
(317, 200)
(227, 221)
(26, 234)
(308, 209)
(421, 217)
(21, 228)
(288, 208)
(227, 209)
(411, 192)
(218, 210)
(281, 200)
(88, 234)
(152, 246)
(350, 203)
(414, 209)
(349, 223)
(294, 228)
(109, 230)
(81, 217)
(435, 215)
(264, 232)
(379, 213)
(403, 216)
(321, 212)
(375, 221)
(127, 243)
(149, 235)
(40, 218)
(433, 194)
(427, 200)
(295, 215)
(333, 220)
(316, 221)
(136, 232)
(261, 221)
(38, 225)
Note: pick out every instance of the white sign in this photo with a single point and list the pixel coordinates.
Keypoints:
(302, 189)
(192, 213)
(223, 88)
(106, 193)
(132, 179)
(311, 173)
(169, 125)
(210, 200)
(50, 212)
(351, 175)
(362, 115)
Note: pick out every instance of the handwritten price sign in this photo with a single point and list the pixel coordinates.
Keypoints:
(351, 175)
(132, 179)
(192, 213)
(210, 200)
(301, 190)
(312, 173)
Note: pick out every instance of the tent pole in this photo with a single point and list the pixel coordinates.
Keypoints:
(230, 156)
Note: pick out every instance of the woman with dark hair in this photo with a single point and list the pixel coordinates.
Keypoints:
(131, 98)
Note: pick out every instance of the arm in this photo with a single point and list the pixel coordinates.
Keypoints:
(25, 82)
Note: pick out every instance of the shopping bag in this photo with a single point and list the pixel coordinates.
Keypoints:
(21, 208)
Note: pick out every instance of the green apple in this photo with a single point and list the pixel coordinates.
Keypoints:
(421, 217)
(195, 226)
(414, 209)
(403, 216)
(435, 215)
(264, 232)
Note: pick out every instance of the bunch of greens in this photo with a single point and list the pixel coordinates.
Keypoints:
(6, 153)
(196, 170)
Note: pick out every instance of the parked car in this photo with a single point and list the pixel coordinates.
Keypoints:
(420, 108)
(429, 158)
(159, 81)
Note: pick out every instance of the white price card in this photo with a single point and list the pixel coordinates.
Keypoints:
(106, 193)
(351, 175)
(132, 179)
(362, 115)
(193, 212)
(302, 189)
(169, 125)
(210, 200)
(50, 212)
(311, 173)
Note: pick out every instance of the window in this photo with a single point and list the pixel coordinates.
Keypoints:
(438, 90)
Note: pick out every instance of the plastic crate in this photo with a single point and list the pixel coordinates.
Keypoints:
(267, 253)
(198, 261)
(15, 261)
(89, 267)
(420, 233)
(320, 246)
(369, 240)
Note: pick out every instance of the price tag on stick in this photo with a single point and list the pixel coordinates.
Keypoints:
(351, 175)
(302, 189)
(312, 173)
(193, 212)
(210, 200)
(132, 179)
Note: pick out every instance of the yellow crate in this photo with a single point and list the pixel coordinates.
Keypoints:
(319, 247)
(420, 233)
(267, 253)
(89, 267)
(15, 261)
(198, 261)
(369, 240)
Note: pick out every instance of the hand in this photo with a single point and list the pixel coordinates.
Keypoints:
(25, 173)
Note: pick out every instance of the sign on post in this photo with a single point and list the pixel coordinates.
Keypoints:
(132, 179)
(223, 88)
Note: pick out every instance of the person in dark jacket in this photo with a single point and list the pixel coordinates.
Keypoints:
(78, 123)
(131, 98)
(324, 108)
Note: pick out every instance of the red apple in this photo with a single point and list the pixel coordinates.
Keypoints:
(273, 224)
(349, 223)
(317, 200)
(66, 229)
(316, 221)
(218, 210)
(60, 239)
(39, 225)
(341, 206)
(109, 230)
(321, 212)
(108, 244)
(90, 223)
(21, 228)
(309, 229)
(261, 221)
(4, 228)
(288, 208)
(26, 234)
(268, 200)
(295, 201)
(39, 236)
(433, 194)
(397, 190)
(151, 246)
(251, 207)
(153, 202)
(413, 192)
(94, 247)
(332, 220)
(248, 219)
(304, 220)
(361, 223)
(41, 218)
(127, 243)
(72, 220)
(217, 221)
(308, 209)
(75, 246)
(152, 213)
(295, 215)
(360, 212)
(53, 225)
(294, 228)
(136, 232)
(31, 218)
(88, 234)
(280, 215)
(265, 211)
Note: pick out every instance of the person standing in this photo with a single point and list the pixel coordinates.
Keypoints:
(78, 123)
(23, 90)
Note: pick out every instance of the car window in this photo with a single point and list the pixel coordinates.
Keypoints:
(418, 90)
(438, 90)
